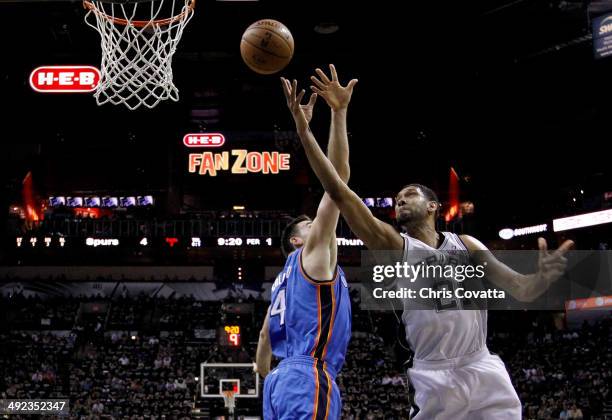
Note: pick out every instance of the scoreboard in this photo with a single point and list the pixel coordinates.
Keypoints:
(171, 242)
(229, 335)
(58, 242)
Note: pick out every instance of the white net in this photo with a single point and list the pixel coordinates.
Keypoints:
(138, 41)
(229, 398)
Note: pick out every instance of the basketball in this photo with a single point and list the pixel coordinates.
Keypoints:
(266, 46)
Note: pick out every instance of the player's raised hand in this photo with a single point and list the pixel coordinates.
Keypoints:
(301, 113)
(551, 266)
(309, 107)
(336, 95)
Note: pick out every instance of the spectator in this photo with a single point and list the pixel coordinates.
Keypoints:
(97, 408)
(555, 374)
(575, 413)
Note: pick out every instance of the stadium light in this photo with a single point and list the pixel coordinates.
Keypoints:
(583, 220)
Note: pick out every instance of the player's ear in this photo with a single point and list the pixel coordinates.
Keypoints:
(296, 241)
(433, 206)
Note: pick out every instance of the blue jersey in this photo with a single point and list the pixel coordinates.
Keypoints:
(310, 317)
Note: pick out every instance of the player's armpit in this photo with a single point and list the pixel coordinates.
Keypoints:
(496, 272)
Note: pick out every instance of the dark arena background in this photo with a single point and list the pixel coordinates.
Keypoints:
(123, 272)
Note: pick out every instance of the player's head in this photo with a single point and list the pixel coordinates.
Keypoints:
(415, 204)
(295, 234)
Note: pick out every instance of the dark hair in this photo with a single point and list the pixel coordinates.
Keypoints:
(289, 232)
(427, 192)
(429, 195)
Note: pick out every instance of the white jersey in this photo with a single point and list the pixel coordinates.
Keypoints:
(448, 331)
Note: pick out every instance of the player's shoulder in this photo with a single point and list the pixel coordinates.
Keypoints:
(293, 258)
(471, 243)
(289, 269)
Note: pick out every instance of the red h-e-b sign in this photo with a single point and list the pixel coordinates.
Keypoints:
(65, 79)
(204, 140)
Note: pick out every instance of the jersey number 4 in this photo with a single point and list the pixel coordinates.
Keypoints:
(278, 307)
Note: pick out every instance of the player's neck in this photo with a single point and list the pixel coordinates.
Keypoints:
(424, 232)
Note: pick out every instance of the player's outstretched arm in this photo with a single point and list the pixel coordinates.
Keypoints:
(320, 251)
(263, 357)
(522, 287)
(337, 98)
(373, 232)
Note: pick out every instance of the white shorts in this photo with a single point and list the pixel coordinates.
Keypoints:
(474, 387)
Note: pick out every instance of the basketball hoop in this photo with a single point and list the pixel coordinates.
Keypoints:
(138, 40)
(229, 397)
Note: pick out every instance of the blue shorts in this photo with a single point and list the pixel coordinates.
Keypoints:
(301, 388)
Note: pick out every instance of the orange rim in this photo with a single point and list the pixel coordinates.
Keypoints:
(140, 23)
(229, 395)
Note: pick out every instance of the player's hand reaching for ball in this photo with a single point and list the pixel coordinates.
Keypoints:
(336, 95)
(309, 107)
(302, 114)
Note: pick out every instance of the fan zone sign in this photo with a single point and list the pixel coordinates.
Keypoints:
(236, 161)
